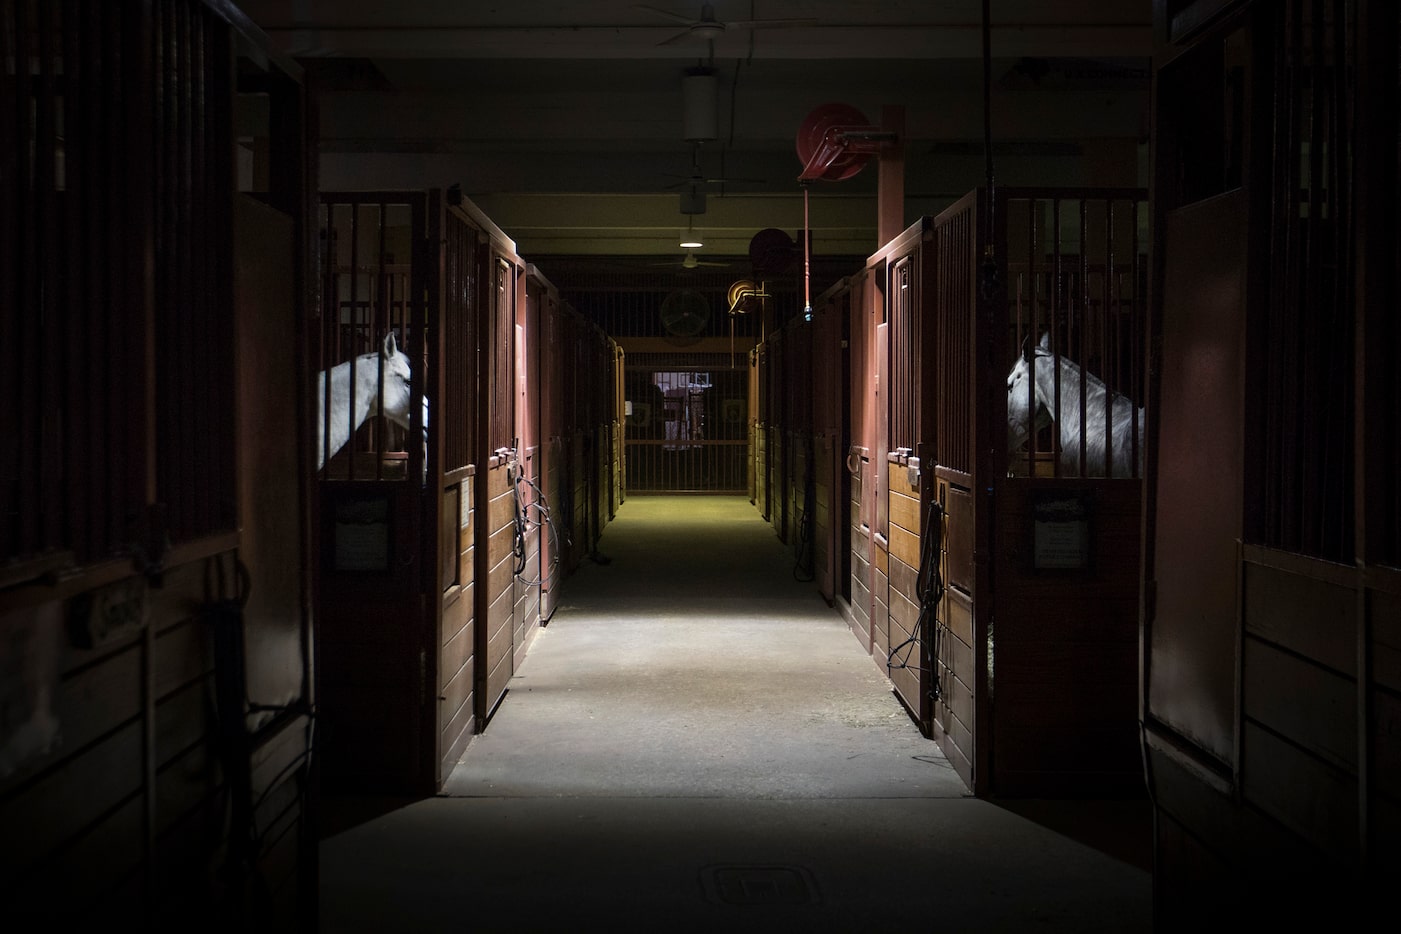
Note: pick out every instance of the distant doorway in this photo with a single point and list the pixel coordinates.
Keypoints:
(686, 430)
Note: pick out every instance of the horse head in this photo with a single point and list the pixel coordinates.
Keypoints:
(397, 379)
(1022, 421)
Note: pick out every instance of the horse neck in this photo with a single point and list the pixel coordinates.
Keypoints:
(1072, 376)
(366, 384)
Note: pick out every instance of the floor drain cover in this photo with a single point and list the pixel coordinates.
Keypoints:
(759, 885)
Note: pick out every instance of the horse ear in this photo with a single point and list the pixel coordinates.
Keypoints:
(390, 347)
(1045, 345)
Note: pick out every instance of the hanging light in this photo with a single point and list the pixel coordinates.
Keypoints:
(699, 113)
(690, 240)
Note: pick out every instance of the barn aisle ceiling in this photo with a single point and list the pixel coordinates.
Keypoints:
(564, 121)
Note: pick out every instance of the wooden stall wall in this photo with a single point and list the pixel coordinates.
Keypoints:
(576, 369)
(798, 441)
(500, 287)
(828, 536)
(454, 373)
(1271, 698)
(1035, 670)
(960, 653)
(905, 268)
(857, 456)
(775, 444)
(1067, 520)
(532, 545)
(154, 751)
(758, 430)
(553, 452)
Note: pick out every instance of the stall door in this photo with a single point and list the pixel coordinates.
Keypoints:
(377, 629)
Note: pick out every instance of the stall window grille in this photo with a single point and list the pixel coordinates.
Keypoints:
(457, 425)
(904, 332)
(368, 296)
(119, 121)
(1076, 293)
(1304, 457)
(503, 317)
(954, 339)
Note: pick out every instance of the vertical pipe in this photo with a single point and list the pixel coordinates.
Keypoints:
(82, 498)
(1057, 293)
(329, 317)
(1340, 453)
(354, 350)
(13, 540)
(1026, 341)
(1307, 502)
(102, 86)
(39, 367)
(1083, 337)
(381, 315)
(205, 468)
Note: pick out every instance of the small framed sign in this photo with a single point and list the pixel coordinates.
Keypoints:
(1060, 529)
(361, 534)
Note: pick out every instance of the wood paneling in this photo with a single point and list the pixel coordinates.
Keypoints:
(1301, 791)
(1312, 706)
(1385, 650)
(71, 799)
(1314, 618)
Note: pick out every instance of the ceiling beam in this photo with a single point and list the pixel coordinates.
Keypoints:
(1009, 40)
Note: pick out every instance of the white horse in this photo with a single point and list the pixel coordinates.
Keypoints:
(394, 399)
(1125, 419)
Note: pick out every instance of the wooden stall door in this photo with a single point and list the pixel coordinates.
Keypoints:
(1192, 585)
(495, 555)
(377, 634)
(527, 581)
(271, 540)
(960, 670)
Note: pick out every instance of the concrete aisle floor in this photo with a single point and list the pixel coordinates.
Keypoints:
(698, 743)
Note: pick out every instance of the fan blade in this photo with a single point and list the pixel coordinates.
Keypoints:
(771, 23)
(676, 38)
(674, 17)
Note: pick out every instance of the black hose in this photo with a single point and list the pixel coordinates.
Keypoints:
(929, 588)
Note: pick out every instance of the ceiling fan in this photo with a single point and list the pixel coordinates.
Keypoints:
(697, 178)
(708, 27)
(689, 262)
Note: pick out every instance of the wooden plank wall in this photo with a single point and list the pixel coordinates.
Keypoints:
(908, 666)
(1065, 692)
(457, 654)
(496, 602)
(860, 620)
(957, 668)
(528, 580)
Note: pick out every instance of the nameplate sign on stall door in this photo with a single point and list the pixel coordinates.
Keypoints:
(1061, 530)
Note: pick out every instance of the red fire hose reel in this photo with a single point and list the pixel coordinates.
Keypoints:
(836, 141)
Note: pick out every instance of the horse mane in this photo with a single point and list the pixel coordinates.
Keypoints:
(1099, 398)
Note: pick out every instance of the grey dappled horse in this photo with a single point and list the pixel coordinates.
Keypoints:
(1125, 418)
(395, 397)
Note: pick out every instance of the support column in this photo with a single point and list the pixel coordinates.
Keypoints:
(890, 182)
